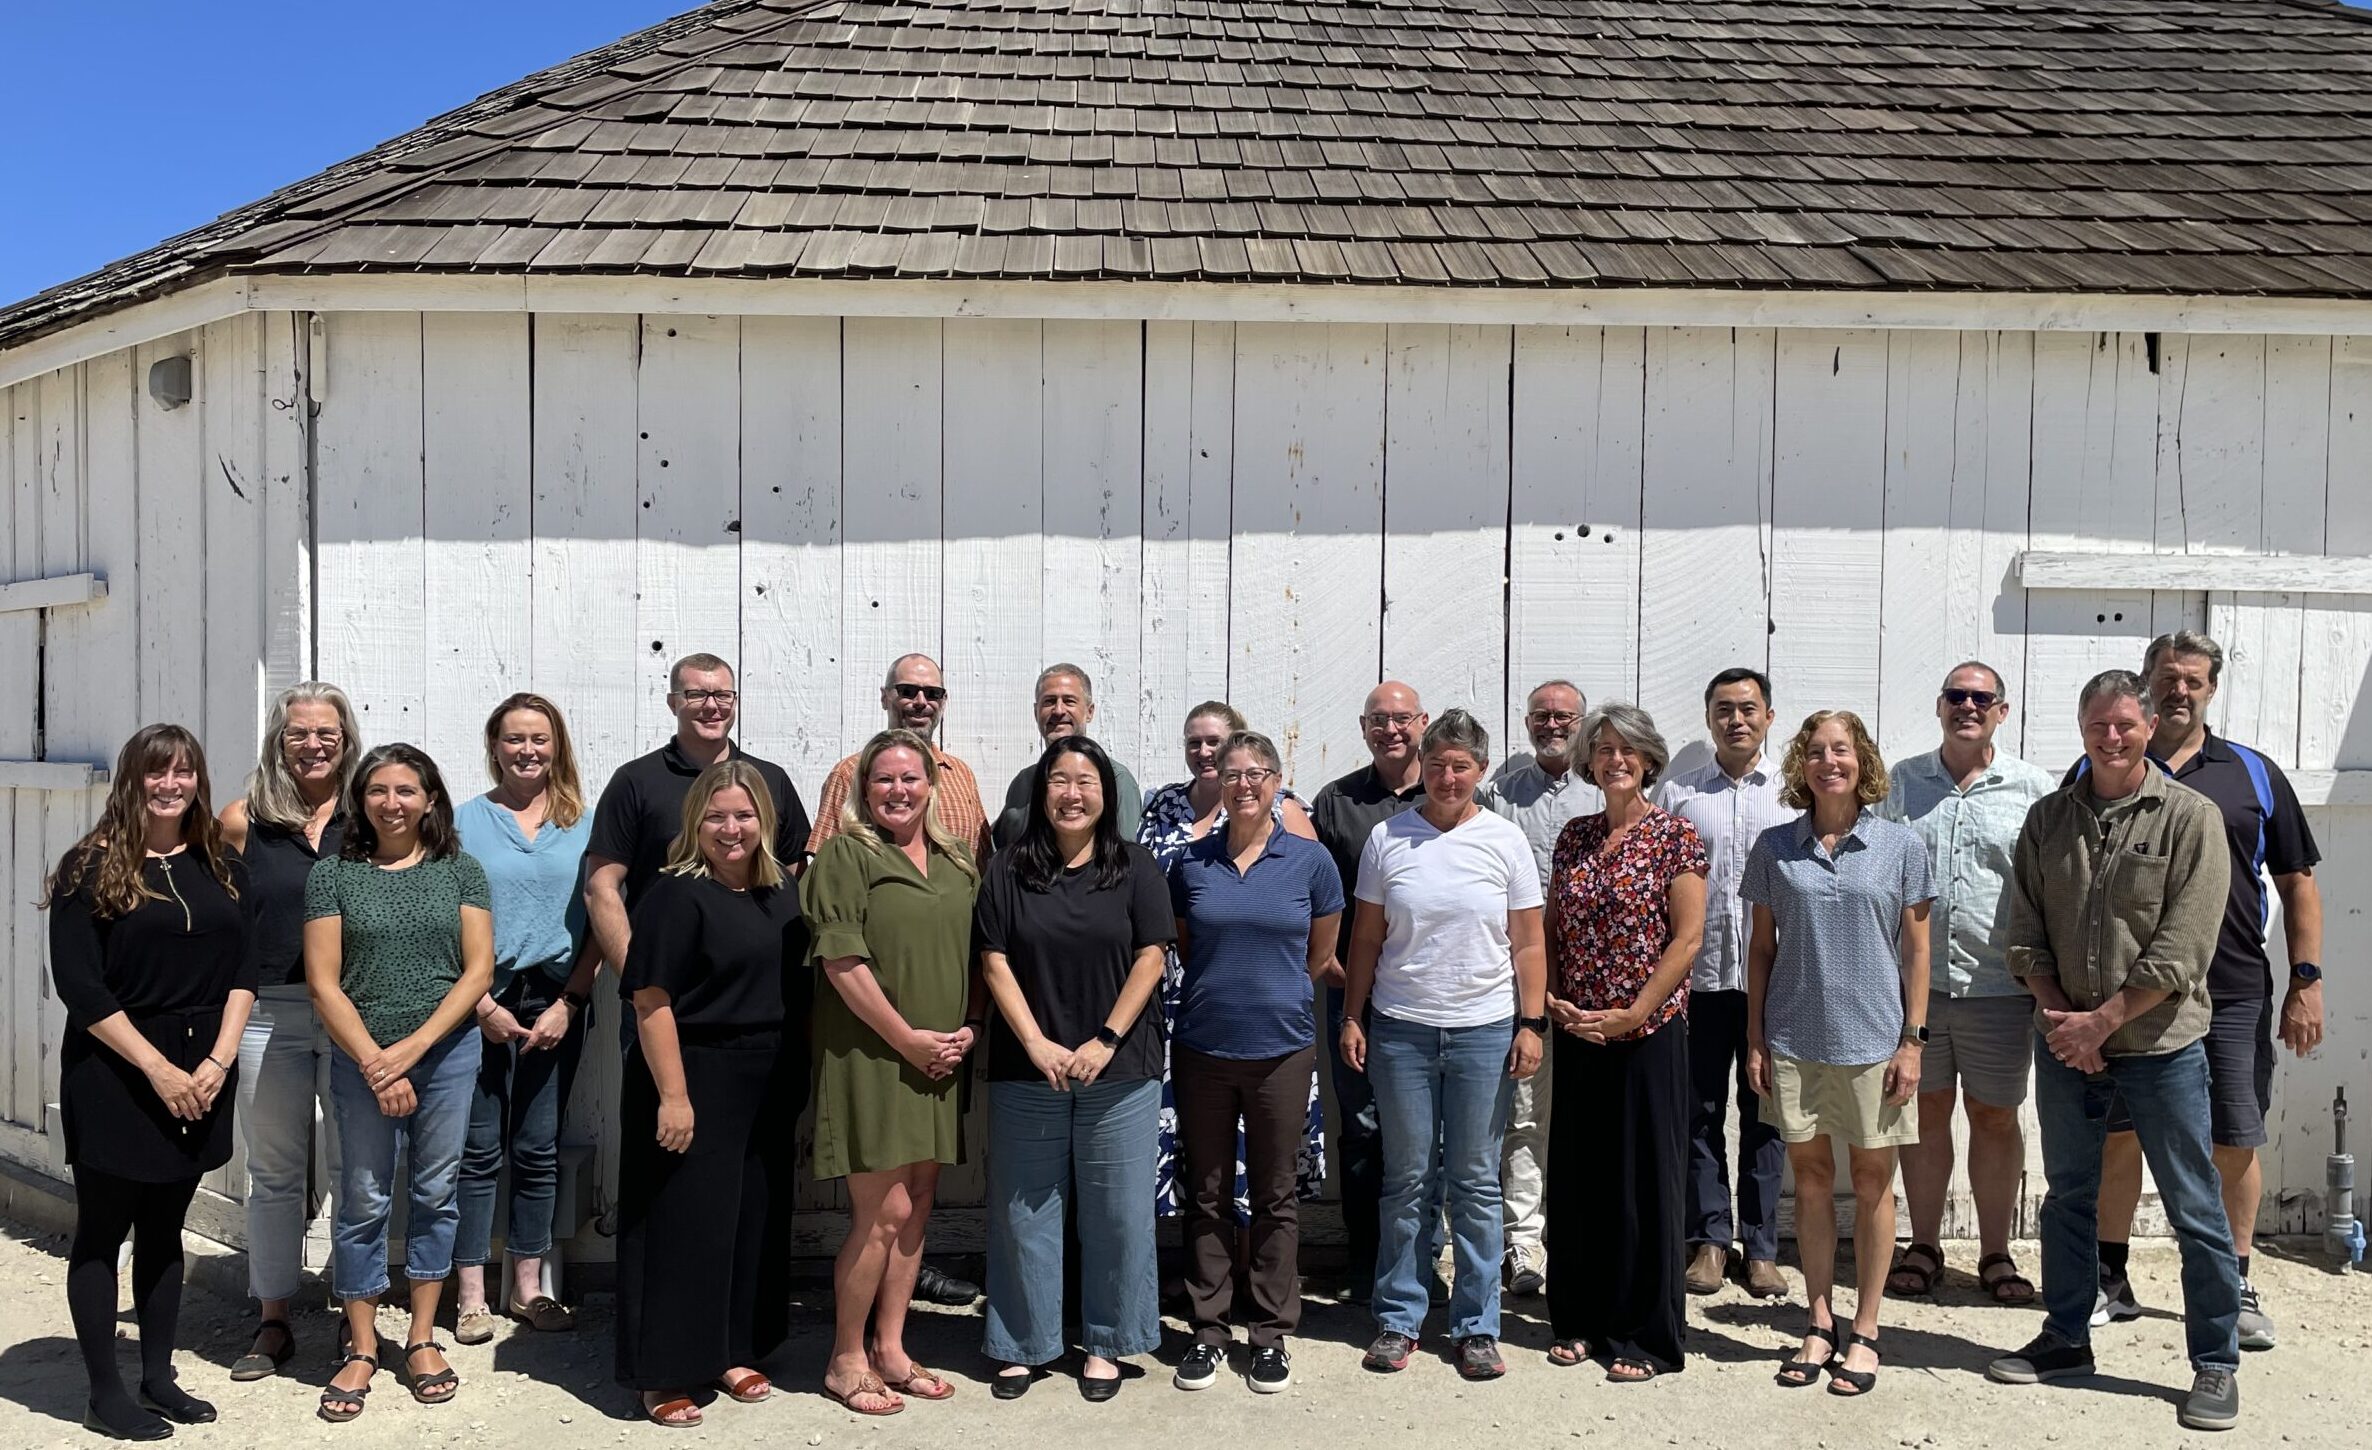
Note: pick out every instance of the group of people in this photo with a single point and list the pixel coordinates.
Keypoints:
(1586, 938)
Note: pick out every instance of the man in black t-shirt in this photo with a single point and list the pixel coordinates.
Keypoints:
(2268, 835)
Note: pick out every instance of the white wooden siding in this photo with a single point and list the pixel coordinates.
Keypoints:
(1269, 512)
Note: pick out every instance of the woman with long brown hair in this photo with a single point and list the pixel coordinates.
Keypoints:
(529, 832)
(150, 935)
(715, 1080)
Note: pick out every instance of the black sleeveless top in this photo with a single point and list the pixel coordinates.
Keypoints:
(278, 863)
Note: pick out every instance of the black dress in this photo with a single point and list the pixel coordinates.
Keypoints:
(168, 965)
(704, 1267)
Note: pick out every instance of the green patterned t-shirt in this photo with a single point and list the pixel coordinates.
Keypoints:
(401, 931)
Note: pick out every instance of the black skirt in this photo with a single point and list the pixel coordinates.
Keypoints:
(704, 1253)
(1616, 1195)
(117, 1124)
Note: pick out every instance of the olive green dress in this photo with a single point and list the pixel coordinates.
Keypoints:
(873, 1109)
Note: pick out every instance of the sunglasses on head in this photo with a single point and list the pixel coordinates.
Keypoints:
(1982, 699)
(932, 693)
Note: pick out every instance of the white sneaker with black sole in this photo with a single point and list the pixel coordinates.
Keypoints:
(2256, 1326)
(1199, 1370)
(1272, 1370)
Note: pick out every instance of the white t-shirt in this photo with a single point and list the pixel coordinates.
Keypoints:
(1446, 896)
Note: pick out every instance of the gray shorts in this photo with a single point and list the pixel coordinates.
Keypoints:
(1984, 1044)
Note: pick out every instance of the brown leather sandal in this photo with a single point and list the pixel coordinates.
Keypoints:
(943, 1388)
(669, 1414)
(747, 1390)
(867, 1383)
(543, 1314)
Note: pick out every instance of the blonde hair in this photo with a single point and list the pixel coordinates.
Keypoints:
(1797, 794)
(273, 795)
(856, 817)
(564, 795)
(683, 853)
(1221, 709)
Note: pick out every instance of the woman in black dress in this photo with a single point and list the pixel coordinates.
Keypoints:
(715, 1081)
(151, 946)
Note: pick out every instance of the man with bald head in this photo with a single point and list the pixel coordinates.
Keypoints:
(913, 697)
(1345, 811)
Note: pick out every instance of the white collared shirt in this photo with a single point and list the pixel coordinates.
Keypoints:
(1729, 815)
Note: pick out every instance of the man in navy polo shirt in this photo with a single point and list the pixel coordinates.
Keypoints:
(2267, 832)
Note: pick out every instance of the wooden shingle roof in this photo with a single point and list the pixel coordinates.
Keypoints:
(2170, 146)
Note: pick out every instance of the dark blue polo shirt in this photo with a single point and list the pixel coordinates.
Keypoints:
(1245, 990)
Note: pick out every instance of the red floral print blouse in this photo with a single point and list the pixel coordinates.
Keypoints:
(1612, 912)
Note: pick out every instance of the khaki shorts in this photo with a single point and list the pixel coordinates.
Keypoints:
(1821, 1099)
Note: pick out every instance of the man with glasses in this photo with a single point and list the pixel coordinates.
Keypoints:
(1064, 702)
(1540, 793)
(1731, 800)
(1345, 812)
(913, 698)
(1967, 801)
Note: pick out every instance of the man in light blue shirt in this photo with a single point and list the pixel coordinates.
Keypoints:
(1730, 801)
(1967, 801)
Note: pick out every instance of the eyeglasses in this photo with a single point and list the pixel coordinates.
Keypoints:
(1982, 699)
(1246, 777)
(296, 736)
(932, 693)
(1380, 720)
(697, 698)
(1552, 717)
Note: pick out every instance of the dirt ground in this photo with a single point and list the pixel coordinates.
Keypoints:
(552, 1391)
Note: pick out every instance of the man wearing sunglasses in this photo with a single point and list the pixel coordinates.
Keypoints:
(1064, 702)
(1968, 800)
(913, 697)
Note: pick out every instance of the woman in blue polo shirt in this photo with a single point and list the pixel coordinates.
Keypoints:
(1258, 911)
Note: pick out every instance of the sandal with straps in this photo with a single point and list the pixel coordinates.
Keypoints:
(422, 1384)
(1799, 1374)
(867, 1383)
(258, 1364)
(2008, 1287)
(1862, 1381)
(334, 1397)
(679, 1412)
(1921, 1276)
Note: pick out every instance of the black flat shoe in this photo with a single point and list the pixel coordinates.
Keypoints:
(148, 1429)
(937, 1286)
(188, 1409)
(1095, 1392)
(1012, 1386)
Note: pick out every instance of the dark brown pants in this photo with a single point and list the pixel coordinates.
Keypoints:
(1271, 1097)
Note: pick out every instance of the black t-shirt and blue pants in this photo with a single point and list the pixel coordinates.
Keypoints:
(1090, 1147)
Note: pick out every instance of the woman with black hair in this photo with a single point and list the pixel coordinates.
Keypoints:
(399, 947)
(1073, 926)
(152, 947)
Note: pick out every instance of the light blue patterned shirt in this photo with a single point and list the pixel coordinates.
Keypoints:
(1971, 835)
(1836, 989)
(1729, 815)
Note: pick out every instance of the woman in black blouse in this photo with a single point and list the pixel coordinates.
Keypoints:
(151, 935)
(715, 1082)
(1074, 925)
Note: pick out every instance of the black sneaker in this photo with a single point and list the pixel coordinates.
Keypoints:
(1478, 1358)
(2116, 1303)
(1199, 1370)
(2214, 1401)
(2046, 1357)
(1272, 1369)
(1389, 1352)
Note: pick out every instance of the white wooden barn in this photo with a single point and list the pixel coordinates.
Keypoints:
(1239, 350)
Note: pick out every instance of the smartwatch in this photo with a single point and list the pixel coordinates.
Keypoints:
(1537, 1024)
(1916, 1032)
(577, 1001)
(2306, 972)
(1106, 1036)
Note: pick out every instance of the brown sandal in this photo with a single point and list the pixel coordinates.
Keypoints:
(2009, 1287)
(918, 1375)
(867, 1383)
(662, 1414)
(747, 1390)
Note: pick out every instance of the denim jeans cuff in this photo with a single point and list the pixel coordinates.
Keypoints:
(343, 1294)
(1108, 1349)
(1005, 1351)
(465, 1261)
(418, 1275)
(519, 1251)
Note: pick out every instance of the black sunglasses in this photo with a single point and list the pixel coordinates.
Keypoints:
(1982, 699)
(932, 693)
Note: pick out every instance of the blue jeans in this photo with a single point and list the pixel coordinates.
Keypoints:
(2167, 1096)
(517, 1106)
(1441, 1096)
(1098, 1139)
(369, 1141)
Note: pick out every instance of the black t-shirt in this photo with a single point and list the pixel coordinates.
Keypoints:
(1071, 948)
(723, 957)
(2241, 971)
(1345, 812)
(185, 950)
(642, 811)
(278, 864)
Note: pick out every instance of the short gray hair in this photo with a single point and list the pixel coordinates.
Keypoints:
(1457, 730)
(2001, 687)
(1255, 742)
(1555, 685)
(1086, 685)
(1637, 729)
(2115, 685)
(2186, 642)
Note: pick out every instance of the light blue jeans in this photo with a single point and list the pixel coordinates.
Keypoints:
(1099, 1140)
(1441, 1096)
(445, 1081)
(284, 1061)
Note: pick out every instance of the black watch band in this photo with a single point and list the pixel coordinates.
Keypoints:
(576, 999)
(1537, 1024)
(1107, 1036)
(2306, 971)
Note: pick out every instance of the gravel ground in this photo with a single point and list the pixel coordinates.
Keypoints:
(553, 1391)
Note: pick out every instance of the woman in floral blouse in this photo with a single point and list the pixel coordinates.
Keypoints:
(1626, 905)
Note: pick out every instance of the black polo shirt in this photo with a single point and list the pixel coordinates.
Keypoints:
(2241, 970)
(1345, 812)
(642, 811)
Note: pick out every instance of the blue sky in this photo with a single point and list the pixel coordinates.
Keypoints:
(130, 121)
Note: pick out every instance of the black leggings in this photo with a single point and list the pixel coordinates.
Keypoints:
(106, 1208)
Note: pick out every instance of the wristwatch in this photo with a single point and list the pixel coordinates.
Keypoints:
(1107, 1037)
(2306, 972)
(1916, 1032)
(576, 1000)
(1537, 1024)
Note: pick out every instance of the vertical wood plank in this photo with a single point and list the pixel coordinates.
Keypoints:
(1307, 575)
(477, 466)
(1828, 513)
(72, 679)
(20, 941)
(287, 560)
(230, 352)
(1446, 483)
(172, 540)
(687, 555)
(1093, 414)
(374, 607)
(1922, 599)
(1189, 461)
(997, 559)
(1993, 422)
(891, 512)
(790, 537)
(2335, 710)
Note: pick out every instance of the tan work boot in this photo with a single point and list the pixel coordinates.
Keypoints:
(1707, 1267)
(1764, 1281)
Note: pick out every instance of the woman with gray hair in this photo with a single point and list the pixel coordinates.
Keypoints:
(1451, 960)
(289, 819)
(1626, 908)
